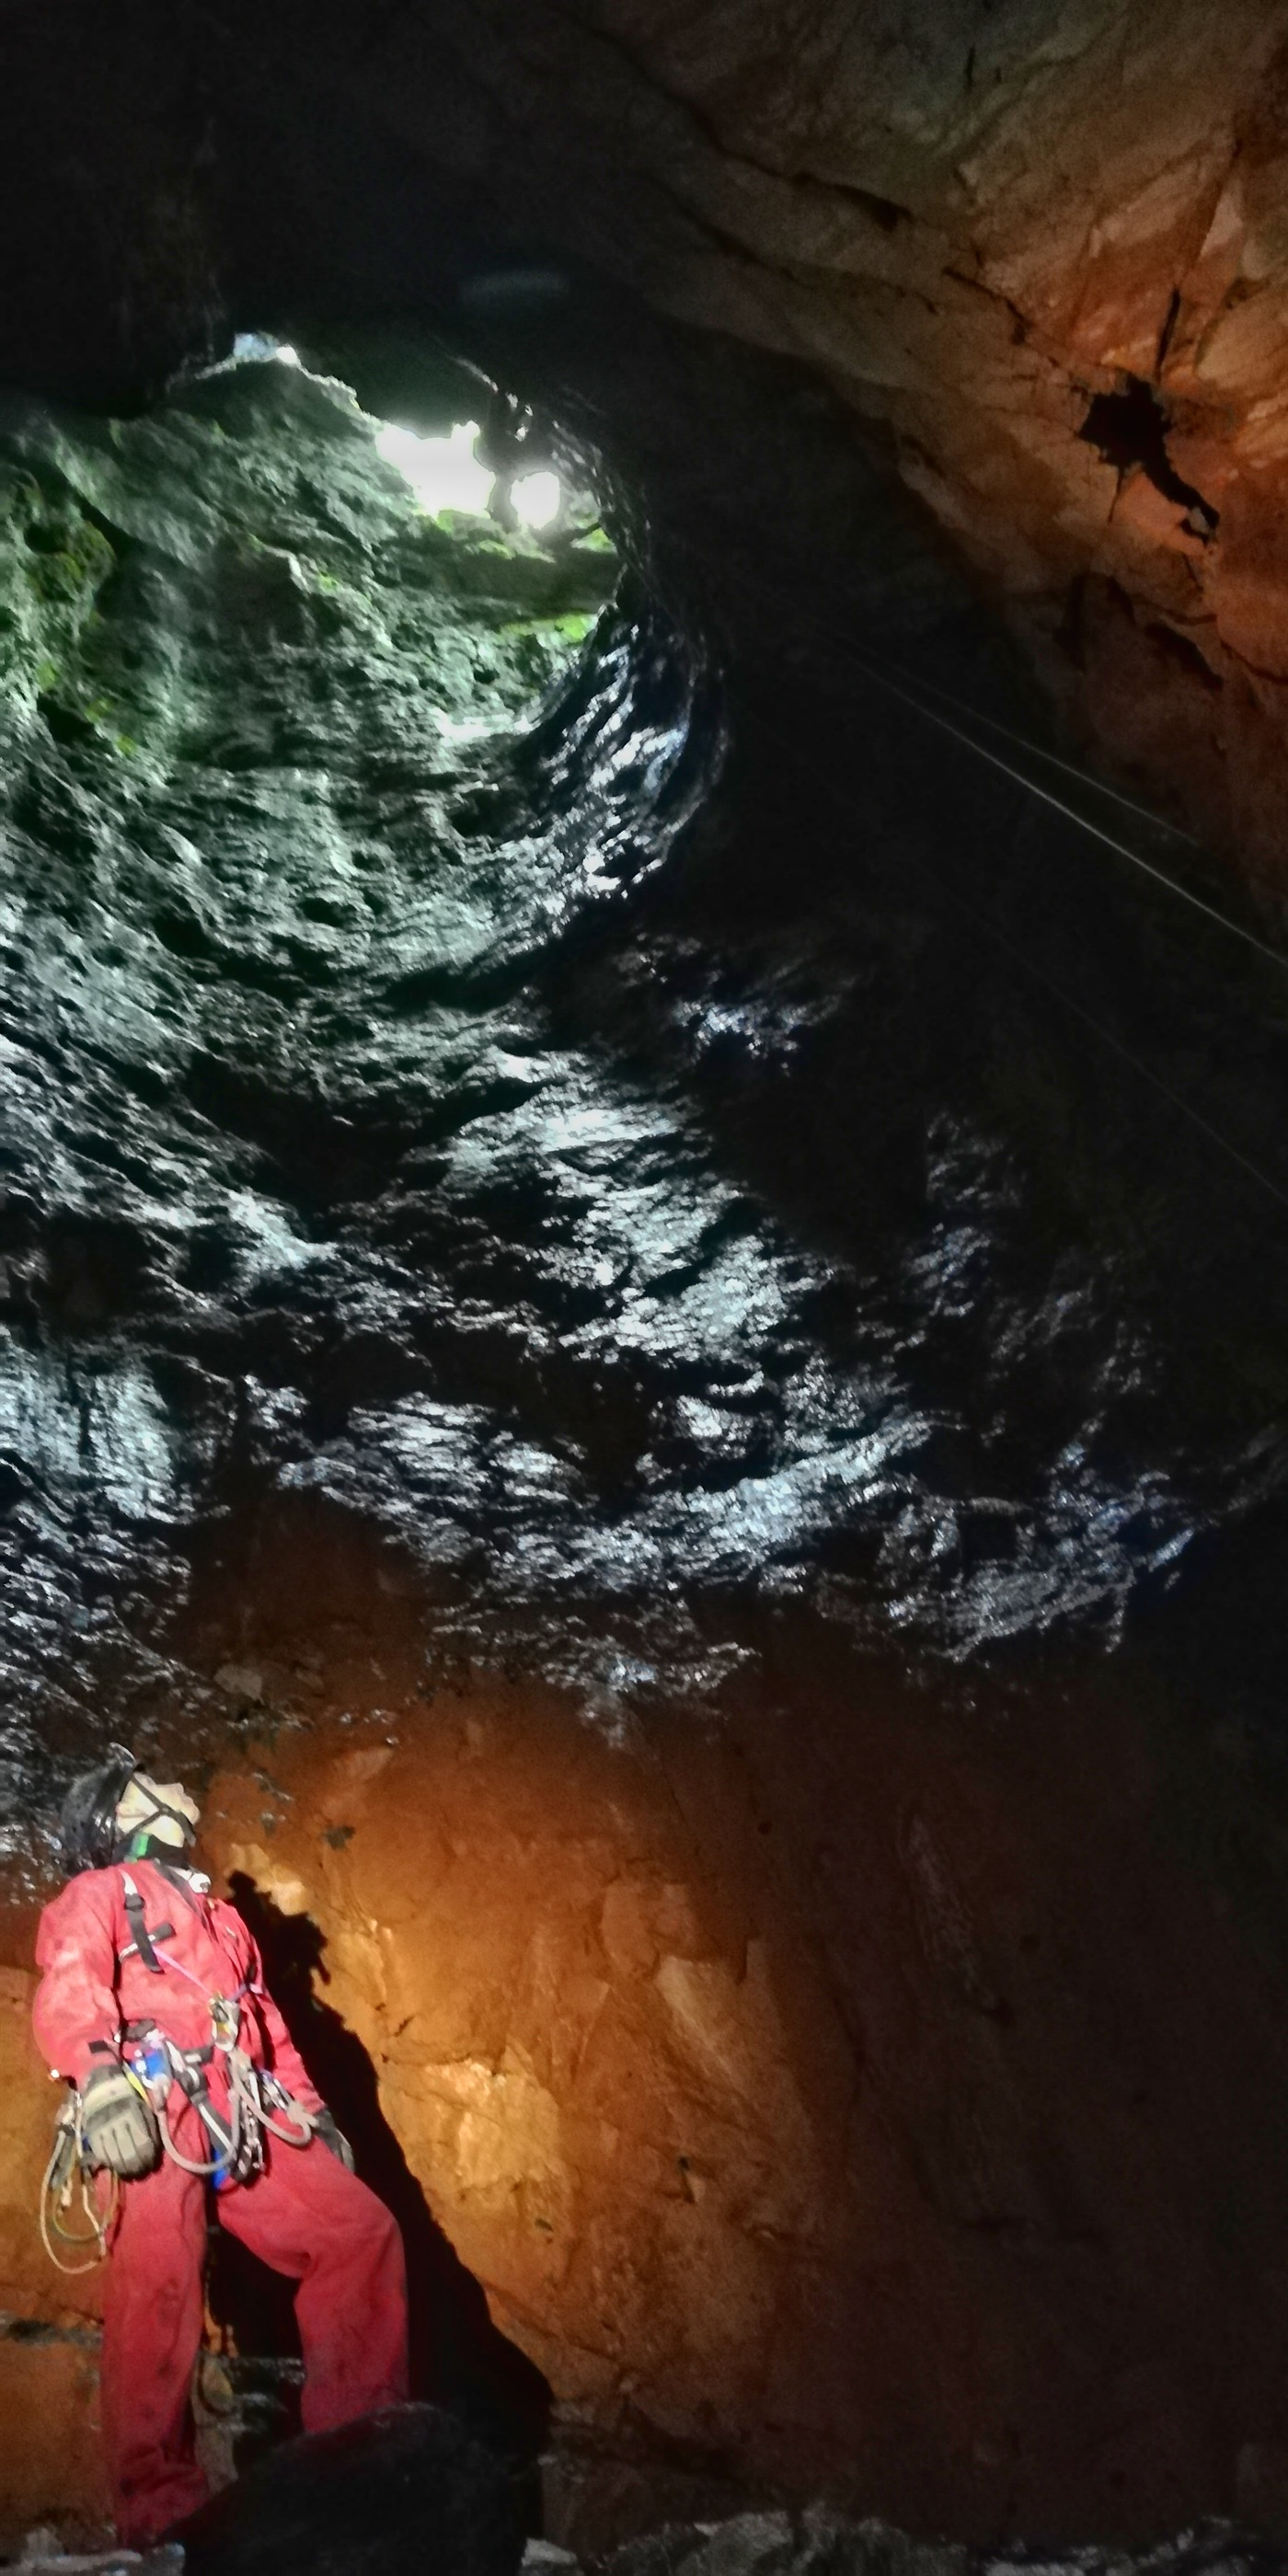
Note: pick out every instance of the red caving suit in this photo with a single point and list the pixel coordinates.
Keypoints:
(305, 2214)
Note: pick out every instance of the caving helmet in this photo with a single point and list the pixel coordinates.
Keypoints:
(88, 1821)
(92, 1829)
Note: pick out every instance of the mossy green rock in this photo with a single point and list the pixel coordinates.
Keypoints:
(137, 559)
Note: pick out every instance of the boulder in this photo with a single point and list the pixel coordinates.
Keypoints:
(405, 2491)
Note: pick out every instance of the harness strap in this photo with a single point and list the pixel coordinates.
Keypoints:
(191, 2081)
(137, 1920)
(142, 1943)
(200, 1982)
(159, 1932)
(178, 1882)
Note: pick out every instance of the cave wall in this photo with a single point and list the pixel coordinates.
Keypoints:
(973, 223)
(831, 2085)
(471, 1384)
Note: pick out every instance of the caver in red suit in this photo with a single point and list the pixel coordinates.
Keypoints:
(305, 2213)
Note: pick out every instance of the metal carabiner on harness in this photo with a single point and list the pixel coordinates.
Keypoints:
(258, 2105)
(225, 2020)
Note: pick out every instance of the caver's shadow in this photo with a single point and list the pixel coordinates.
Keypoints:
(459, 2359)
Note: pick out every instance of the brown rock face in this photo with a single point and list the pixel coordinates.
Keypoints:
(859, 2125)
(1042, 252)
(801, 2131)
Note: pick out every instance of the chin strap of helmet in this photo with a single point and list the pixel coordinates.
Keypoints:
(141, 1844)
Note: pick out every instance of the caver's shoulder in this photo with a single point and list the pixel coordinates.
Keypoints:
(90, 1887)
(93, 1896)
(229, 1920)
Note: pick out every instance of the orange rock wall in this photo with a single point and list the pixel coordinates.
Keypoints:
(836, 2103)
(973, 222)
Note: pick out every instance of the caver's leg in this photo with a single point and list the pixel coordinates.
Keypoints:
(152, 2320)
(307, 2216)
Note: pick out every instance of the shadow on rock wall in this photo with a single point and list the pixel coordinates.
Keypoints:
(458, 2357)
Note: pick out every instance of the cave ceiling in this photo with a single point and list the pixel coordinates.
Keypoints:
(975, 223)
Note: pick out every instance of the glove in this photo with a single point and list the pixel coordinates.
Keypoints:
(326, 2127)
(119, 2128)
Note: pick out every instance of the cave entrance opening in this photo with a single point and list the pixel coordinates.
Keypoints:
(448, 474)
(503, 469)
(502, 484)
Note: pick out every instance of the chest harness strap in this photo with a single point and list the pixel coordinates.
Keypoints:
(157, 2064)
(137, 1920)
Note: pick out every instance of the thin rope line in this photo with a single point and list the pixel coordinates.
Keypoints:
(1047, 797)
(1036, 750)
(909, 696)
(993, 930)
(1216, 1135)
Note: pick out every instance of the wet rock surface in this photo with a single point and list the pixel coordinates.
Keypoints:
(769, 2544)
(1039, 254)
(815, 2543)
(592, 1145)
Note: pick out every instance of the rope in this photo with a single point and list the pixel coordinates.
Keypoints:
(237, 2160)
(248, 2118)
(1096, 831)
(221, 2164)
(1011, 947)
(915, 680)
(238, 2136)
(296, 2137)
(248, 2113)
(910, 690)
(1215, 1135)
(55, 2194)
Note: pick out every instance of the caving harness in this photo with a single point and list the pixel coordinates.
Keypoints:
(258, 2104)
